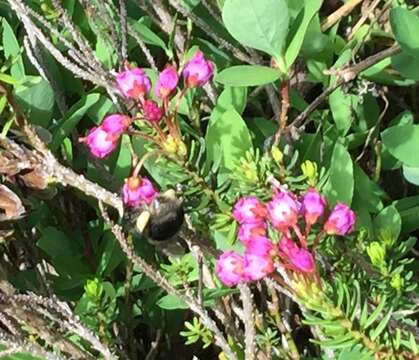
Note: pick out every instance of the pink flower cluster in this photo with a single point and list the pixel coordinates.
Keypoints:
(285, 213)
(138, 191)
(133, 83)
(103, 139)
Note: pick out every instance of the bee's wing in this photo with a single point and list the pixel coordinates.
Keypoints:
(142, 221)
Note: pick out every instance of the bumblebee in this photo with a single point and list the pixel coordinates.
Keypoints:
(162, 219)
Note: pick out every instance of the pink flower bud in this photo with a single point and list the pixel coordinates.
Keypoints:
(262, 246)
(256, 267)
(138, 191)
(287, 246)
(283, 210)
(198, 71)
(313, 206)
(152, 111)
(100, 142)
(115, 124)
(229, 268)
(248, 231)
(166, 82)
(133, 83)
(341, 220)
(302, 260)
(249, 209)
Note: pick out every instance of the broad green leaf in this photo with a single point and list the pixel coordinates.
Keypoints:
(36, 98)
(123, 162)
(261, 24)
(299, 29)
(147, 35)
(402, 141)
(366, 192)
(230, 98)
(72, 118)
(111, 254)
(171, 302)
(55, 243)
(406, 65)
(388, 224)
(247, 75)
(105, 53)
(411, 174)
(341, 107)
(229, 135)
(12, 51)
(340, 187)
(405, 25)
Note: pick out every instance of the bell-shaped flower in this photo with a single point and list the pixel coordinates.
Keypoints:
(198, 71)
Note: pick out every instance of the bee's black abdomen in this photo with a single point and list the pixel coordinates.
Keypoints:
(167, 223)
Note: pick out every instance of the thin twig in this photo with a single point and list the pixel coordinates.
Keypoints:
(249, 322)
(344, 75)
(340, 13)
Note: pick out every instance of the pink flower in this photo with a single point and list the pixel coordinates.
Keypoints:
(100, 142)
(313, 206)
(166, 82)
(115, 124)
(137, 191)
(287, 246)
(198, 71)
(229, 268)
(341, 220)
(283, 210)
(256, 267)
(152, 111)
(248, 231)
(260, 245)
(133, 83)
(249, 209)
(302, 260)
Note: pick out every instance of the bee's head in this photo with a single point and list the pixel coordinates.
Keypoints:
(163, 218)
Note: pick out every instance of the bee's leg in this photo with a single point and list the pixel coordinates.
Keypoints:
(142, 221)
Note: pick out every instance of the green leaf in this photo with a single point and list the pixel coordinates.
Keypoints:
(55, 243)
(8, 79)
(247, 75)
(123, 161)
(12, 51)
(147, 35)
(261, 24)
(388, 224)
(405, 24)
(230, 98)
(229, 135)
(357, 353)
(171, 302)
(300, 27)
(374, 315)
(402, 142)
(72, 118)
(36, 98)
(341, 107)
(341, 182)
(111, 254)
(381, 326)
(406, 65)
(411, 174)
